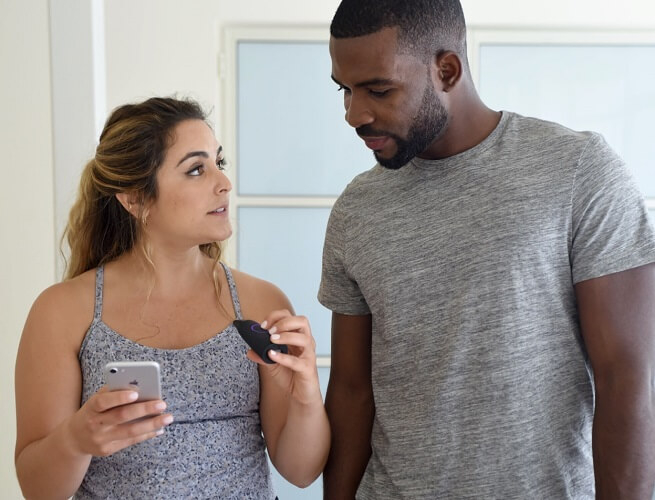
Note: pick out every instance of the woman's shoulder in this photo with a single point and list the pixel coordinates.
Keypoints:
(67, 305)
(257, 296)
(69, 291)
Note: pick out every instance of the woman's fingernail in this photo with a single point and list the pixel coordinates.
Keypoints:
(133, 395)
(263, 324)
(272, 353)
(160, 406)
(275, 336)
(159, 432)
(273, 330)
(168, 419)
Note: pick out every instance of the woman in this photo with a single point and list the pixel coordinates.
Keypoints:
(144, 282)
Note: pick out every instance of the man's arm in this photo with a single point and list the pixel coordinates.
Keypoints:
(617, 315)
(349, 405)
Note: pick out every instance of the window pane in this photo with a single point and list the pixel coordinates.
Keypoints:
(285, 246)
(292, 137)
(580, 87)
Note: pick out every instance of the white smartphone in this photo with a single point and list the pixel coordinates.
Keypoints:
(142, 376)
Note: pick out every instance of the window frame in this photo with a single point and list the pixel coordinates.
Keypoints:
(477, 36)
(228, 70)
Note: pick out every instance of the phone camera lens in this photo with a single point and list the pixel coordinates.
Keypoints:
(113, 370)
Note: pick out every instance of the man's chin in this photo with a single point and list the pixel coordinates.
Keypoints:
(393, 163)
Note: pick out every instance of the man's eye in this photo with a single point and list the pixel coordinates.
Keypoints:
(346, 90)
(378, 93)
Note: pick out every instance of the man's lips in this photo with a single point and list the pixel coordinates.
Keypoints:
(375, 143)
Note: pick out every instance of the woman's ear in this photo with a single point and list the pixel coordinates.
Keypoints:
(129, 202)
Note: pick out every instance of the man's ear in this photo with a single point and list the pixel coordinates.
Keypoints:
(129, 202)
(447, 69)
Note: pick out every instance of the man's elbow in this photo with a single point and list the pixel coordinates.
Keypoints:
(633, 380)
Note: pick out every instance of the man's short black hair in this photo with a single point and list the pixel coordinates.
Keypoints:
(425, 27)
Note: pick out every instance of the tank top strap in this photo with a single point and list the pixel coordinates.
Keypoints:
(100, 280)
(233, 290)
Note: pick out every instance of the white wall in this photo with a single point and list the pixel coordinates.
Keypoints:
(561, 13)
(161, 47)
(27, 255)
(152, 47)
(78, 96)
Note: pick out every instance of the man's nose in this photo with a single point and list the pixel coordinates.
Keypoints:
(358, 113)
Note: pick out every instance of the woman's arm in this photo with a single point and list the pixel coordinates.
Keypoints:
(55, 437)
(294, 421)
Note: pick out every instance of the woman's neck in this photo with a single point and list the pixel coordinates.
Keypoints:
(167, 274)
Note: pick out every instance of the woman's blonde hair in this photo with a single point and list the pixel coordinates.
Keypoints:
(132, 147)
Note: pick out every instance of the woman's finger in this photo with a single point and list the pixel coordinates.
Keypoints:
(294, 339)
(291, 324)
(127, 413)
(275, 316)
(293, 363)
(253, 356)
(104, 400)
(140, 427)
(112, 447)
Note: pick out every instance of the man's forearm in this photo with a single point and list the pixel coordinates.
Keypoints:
(351, 423)
(623, 439)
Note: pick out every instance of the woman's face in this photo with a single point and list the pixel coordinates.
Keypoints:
(193, 192)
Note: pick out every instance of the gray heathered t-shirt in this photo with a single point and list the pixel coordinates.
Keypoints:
(481, 380)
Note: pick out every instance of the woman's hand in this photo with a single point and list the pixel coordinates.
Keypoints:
(294, 422)
(295, 372)
(105, 423)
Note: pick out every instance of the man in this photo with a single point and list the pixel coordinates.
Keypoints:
(492, 283)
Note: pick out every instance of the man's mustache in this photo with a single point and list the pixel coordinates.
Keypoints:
(368, 131)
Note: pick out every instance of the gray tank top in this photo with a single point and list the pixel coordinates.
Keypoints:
(214, 448)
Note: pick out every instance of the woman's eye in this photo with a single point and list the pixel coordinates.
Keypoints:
(195, 171)
(221, 164)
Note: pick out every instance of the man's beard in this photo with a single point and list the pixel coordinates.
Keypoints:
(428, 123)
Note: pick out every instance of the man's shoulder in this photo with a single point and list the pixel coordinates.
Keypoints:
(541, 137)
(372, 175)
(364, 183)
(530, 125)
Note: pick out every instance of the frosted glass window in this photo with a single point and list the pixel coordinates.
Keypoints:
(286, 490)
(581, 87)
(285, 246)
(292, 138)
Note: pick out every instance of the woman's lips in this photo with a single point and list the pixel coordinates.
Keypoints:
(218, 211)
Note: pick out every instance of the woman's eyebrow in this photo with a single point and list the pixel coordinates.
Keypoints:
(191, 155)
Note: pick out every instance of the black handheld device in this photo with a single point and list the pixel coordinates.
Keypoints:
(258, 339)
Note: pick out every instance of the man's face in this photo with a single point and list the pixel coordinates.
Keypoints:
(389, 96)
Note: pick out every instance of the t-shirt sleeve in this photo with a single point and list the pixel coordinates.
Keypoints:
(611, 231)
(339, 291)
